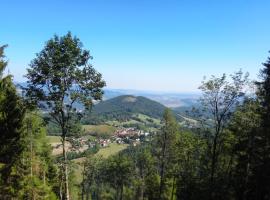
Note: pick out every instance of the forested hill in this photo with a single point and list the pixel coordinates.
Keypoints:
(123, 107)
(130, 104)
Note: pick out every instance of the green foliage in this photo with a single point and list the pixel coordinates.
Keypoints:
(11, 129)
(262, 153)
(117, 173)
(41, 172)
(165, 150)
(61, 76)
(11, 117)
(220, 97)
(33, 175)
(244, 127)
(33, 188)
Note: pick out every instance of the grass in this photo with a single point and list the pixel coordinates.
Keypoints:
(145, 117)
(111, 150)
(105, 152)
(99, 130)
(54, 139)
(142, 117)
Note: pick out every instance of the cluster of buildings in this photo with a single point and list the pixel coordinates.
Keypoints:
(130, 136)
(128, 132)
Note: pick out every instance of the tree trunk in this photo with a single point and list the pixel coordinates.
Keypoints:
(61, 184)
(83, 183)
(173, 188)
(121, 192)
(142, 191)
(44, 176)
(214, 160)
(65, 173)
(162, 170)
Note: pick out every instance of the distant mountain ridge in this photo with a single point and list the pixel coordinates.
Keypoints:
(168, 99)
(171, 100)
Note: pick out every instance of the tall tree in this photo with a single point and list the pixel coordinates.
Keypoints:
(190, 150)
(36, 164)
(166, 145)
(220, 98)
(244, 126)
(11, 122)
(59, 77)
(118, 171)
(262, 170)
(92, 180)
(144, 163)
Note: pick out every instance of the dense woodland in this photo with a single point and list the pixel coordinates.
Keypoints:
(225, 156)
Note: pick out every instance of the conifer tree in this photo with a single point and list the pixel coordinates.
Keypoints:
(11, 125)
(167, 139)
(262, 170)
(39, 174)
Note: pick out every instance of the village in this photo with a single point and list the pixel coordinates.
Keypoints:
(130, 136)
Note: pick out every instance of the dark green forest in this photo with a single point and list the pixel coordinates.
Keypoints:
(225, 154)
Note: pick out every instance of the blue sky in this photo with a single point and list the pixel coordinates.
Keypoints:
(144, 44)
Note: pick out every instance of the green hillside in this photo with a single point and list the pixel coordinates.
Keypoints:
(123, 108)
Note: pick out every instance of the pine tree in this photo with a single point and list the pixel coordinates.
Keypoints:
(11, 126)
(36, 160)
(245, 126)
(166, 146)
(262, 170)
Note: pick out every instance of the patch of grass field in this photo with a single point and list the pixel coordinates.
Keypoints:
(145, 117)
(54, 139)
(99, 130)
(144, 120)
(113, 149)
(113, 123)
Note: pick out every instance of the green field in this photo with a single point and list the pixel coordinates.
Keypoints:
(54, 139)
(145, 117)
(105, 152)
(111, 150)
(99, 130)
(142, 117)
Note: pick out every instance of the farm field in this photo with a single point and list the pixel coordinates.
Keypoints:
(112, 149)
(99, 130)
(54, 139)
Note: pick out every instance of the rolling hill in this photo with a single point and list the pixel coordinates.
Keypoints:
(124, 107)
